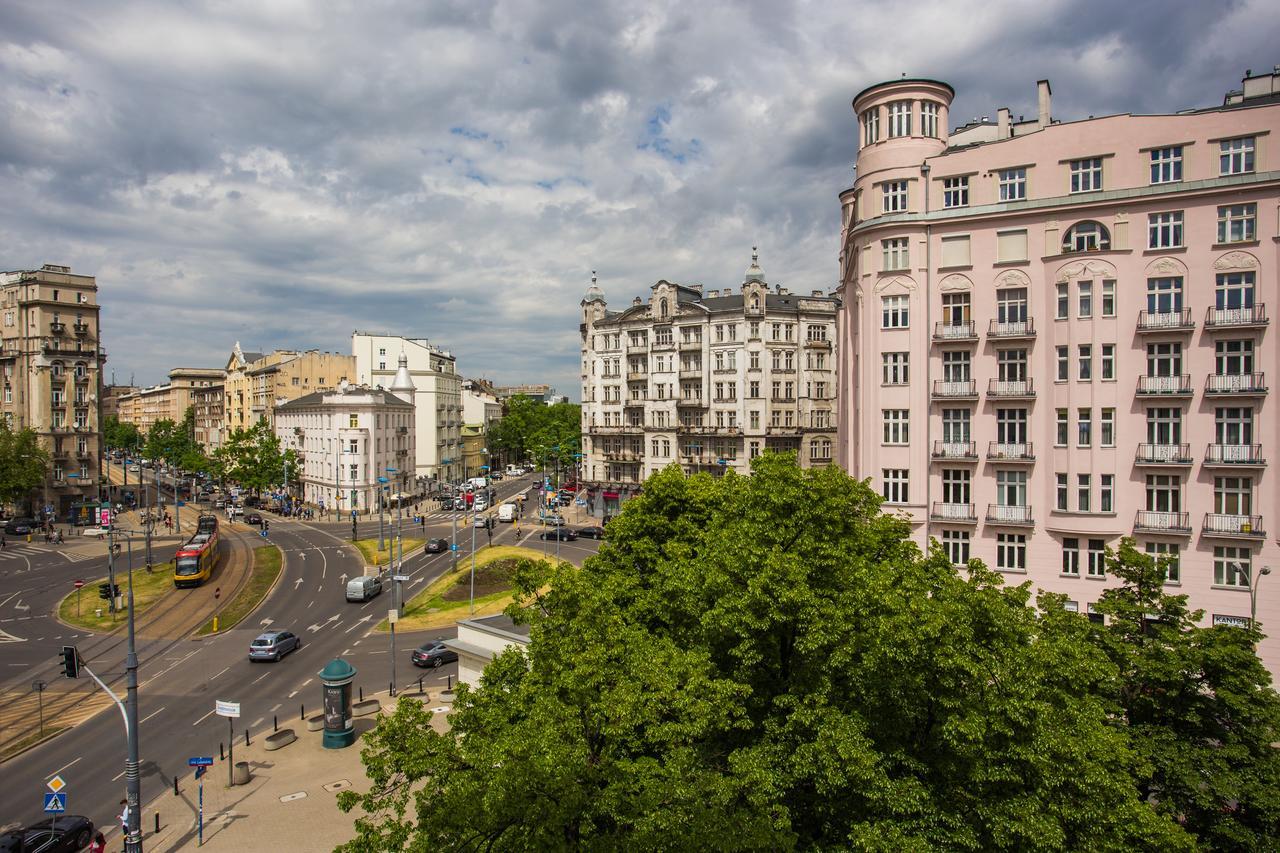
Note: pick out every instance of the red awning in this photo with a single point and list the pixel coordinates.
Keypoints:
(611, 496)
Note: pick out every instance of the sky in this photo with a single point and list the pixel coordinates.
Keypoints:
(283, 172)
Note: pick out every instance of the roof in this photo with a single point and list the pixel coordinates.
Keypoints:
(316, 398)
(928, 80)
(717, 304)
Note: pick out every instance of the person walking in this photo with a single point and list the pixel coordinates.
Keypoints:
(99, 843)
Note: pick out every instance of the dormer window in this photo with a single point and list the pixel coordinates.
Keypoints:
(1087, 236)
(662, 308)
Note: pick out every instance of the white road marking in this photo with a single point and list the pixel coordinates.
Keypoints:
(276, 708)
(305, 683)
(224, 669)
(149, 716)
(63, 767)
(255, 723)
(294, 693)
(260, 677)
(116, 778)
(196, 723)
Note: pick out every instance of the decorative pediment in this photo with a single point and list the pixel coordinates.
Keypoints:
(1236, 261)
(897, 284)
(1166, 266)
(1085, 269)
(955, 281)
(1013, 278)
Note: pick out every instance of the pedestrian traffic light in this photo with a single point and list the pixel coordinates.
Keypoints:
(70, 662)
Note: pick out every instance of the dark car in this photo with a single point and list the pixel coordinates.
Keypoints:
(591, 532)
(433, 654)
(496, 475)
(252, 518)
(252, 501)
(564, 534)
(20, 526)
(63, 834)
(437, 546)
(274, 645)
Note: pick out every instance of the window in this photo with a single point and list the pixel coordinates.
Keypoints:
(1235, 156)
(1011, 245)
(1087, 236)
(753, 360)
(895, 485)
(896, 253)
(1011, 488)
(1168, 556)
(353, 421)
(895, 368)
(1063, 428)
(1164, 425)
(1108, 362)
(1011, 365)
(1108, 297)
(1071, 556)
(1107, 427)
(1237, 223)
(1084, 489)
(1164, 493)
(753, 388)
(1233, 425)
(955, 426)
(1106, 493)
(1084, 290)
(897, 424)
(956, 544)
(956, 366)
(1011, 552)
(1232, 566)
(1234, 291)
(894, 312)
(955, 192)
(956, 309)
(1086, 175)
(1164, 295)
(1063, 309)
(894, 198)
(1233, 358)
(871, 126)
(1062, 492)
(900, 118)
(1233, 495)
(1011, 426)
(1166, 165)
(1085, 362)
(1164, 230)
(1013, 184)
(956, 483)
(1063, 363)
(1097, 563)
(1011, 305)
(929, 119)
(1084, 426)
(955, 251)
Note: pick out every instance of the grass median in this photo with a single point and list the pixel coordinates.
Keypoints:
(375, 557)
(449, 598)
(266, 568)
(82, 607)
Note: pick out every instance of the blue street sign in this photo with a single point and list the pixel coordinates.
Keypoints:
(353, 515)
(55, 803)
(182, 503)
(453, 547)
(200, 761)
(200, 771)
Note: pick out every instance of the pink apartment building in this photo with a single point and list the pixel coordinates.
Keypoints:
(1054, 334)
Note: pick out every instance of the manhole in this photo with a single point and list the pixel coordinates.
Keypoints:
(337, 786)
(289, 798)
(441, 710)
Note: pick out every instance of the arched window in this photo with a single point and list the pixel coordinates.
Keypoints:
(1087, 236)
(662, 308)
(755, 302)
(82, 370)
(56, 368)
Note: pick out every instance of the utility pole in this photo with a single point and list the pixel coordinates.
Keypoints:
(133, 842)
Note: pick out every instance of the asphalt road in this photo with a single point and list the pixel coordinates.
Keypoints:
(179, 680)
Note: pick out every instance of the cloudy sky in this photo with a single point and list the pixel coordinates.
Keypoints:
(281, 172)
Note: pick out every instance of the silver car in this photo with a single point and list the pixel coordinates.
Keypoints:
(274, 645)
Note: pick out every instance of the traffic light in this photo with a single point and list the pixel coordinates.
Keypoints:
(107, 591)
(70, 662)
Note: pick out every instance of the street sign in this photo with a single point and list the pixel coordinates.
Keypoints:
(79, 584)
(226, 709)
(200, 761)
(56, 784)
(401, 578)
(453, 547)
(55, 803)
(393, 615)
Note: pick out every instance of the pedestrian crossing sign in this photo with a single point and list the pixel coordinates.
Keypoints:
(55, 803)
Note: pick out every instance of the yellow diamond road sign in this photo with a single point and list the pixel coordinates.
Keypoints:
(56, 784)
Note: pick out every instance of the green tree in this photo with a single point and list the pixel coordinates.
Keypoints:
(253, 458)
(120, 435)
(23, 464)
(529, 428)
(768, 662)
(1198, 706)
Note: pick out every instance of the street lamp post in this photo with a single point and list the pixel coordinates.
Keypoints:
(1253, 594)
(133, 783)
(381, 484)
(395, 572)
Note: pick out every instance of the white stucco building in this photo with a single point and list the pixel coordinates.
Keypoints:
(482, 639)
(437, 398)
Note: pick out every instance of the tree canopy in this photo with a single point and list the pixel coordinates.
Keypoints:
(253, 458)
(23, 463)
(768, 662)
(118, 434)
(530, 429)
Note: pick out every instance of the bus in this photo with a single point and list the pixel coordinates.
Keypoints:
(195, 561)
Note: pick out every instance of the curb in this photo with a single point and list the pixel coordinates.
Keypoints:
(36, 743)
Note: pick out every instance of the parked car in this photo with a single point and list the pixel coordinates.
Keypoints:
(253, 518)
(564, 534)
(591, 532)
(437, 546)
(433, 653)
(363, 588)
(68, 833)
(274, 645)
(20, 526)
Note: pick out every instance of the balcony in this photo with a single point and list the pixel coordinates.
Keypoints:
(1152, 521)
(1236, 384)
(1004, 451)
(955, 333)
(953, 513)
(404, 430)
(782, 430)
(818, 344)
(1166, 321)
(637, 376)
(691, 373)
(637, 349)
(1224, 525)
(1163, 454)
(620, 456)
(1012, 330)
(1011, 389)
(962, 390)
(1165, 386)
(1254, 317)
(81, 329)
(958, 451)
(58, 328)
(664, 345)
(690, 401)
(1234, 456)
(693, 346)
(1009, 516)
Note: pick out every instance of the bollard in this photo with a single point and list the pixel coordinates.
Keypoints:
(246, 736)
(275, 724)
(391, 689)
(175, 786)
(222, 756)
(302, 712)
(419, 685)
(450, 687)
(157, 823)
(361, 694)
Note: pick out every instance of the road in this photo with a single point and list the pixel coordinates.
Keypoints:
(180, 681)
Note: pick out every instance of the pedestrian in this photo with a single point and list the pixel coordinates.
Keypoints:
(2, 542)
(99, 844)
(124, 818)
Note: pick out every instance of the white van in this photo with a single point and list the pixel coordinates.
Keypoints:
(363, 588)
(478, 483)
(507, 513)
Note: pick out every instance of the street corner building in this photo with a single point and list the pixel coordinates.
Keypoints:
(1053, 334)
(706, 379)
(51, 356)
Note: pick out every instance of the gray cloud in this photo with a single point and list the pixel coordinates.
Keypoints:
(281, 173)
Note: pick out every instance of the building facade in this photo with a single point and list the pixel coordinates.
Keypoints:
(1054, 334)
(111, 397)
(51, 357)
(437, 399)
(256, 383)
(706, 380)
(210, 414)
(480, 403)
(346, 438)
(143, 407)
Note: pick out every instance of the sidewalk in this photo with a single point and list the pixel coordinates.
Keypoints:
(290, 802)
